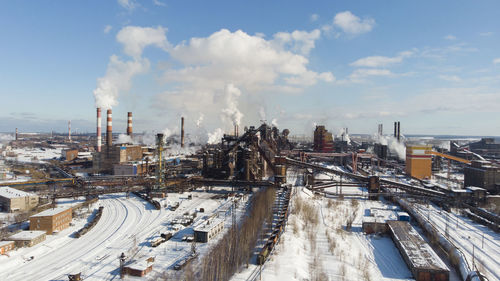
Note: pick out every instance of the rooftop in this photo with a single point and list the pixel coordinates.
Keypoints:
(419, 252)
(9, 192)
(3, 243)
(52, 211)
(26, 235)
(207, 225)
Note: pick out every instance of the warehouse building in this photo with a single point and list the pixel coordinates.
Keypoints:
(28, 238)
(12, 200)
(483, 174)
(208, 230)
(51, 220)
(139, 268)
(6, 246)
(421, 259)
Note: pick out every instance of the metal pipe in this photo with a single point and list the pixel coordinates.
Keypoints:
(129, 124)
(99, 139)
(182, 131)
(109, 129)
(399, 131)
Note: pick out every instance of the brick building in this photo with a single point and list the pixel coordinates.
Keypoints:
(51, 220)
(12, 200)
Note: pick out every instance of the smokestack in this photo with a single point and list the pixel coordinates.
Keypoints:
(399, 131)
(237, 130)
(182, 131)
(109, 130)
(99, 139)
(69, 130)
(395, 129)
(129, 124)
(16, 133)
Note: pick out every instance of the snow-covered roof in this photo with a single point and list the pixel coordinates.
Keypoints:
(27, 235)
(3, 243)
(140, 265)
(52, 211)
(207, 225)
(9, 192)
(475, 188)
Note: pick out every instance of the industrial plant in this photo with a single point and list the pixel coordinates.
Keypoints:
(239, 204)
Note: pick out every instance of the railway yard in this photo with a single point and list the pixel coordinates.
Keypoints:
(253, 207)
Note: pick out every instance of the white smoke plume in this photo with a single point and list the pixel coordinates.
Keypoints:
(123, 138)
(6, 137)
(216, 136)
(231, 111)
(392, 143)
(274, 122)
(262, 113)
(200, 120)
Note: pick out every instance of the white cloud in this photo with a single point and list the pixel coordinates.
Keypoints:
(489, 33)
(351, 24)
(450, 37)
(302, 41)
(381, 61)
(209, 67)
(119, 74)
(450, 78)
(159, 3)
(360, 75)
(118, 78)
(135, 39)
(314, 17)
(128, 4)
(496, 61)
(107, 28)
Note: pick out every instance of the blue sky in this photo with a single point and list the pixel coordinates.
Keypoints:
(433, 65)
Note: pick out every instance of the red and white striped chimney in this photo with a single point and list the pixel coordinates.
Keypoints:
(129, 124)
(109, 130)
(99, 139)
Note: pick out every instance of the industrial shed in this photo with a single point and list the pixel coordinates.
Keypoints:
(421, 259)
(28, 238)
(207, 230)
(139, 268)
(52, 220)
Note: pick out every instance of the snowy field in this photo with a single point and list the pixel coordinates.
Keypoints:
(35, 155)
(316, 246)
(470, 237)
(126, 225)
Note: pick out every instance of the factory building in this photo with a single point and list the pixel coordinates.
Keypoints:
(6, 246)
(128, 169)
(28, 238)
(483, 174)
(208, 230)
(419, 161)
(52, 220)
(16, 200)
(323, 140)
(486, 147)
(69, 154)
(381, 150)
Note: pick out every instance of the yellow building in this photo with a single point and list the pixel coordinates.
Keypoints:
(418, 161)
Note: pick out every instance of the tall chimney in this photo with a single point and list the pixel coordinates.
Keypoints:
(129, 124)
(69, 130)
(399, 131)
(109, 130)
(99, 139)
(182, 131)
(16, 133)
(395, 129)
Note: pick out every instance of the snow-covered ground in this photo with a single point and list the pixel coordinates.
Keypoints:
(126, 225)
(36, 155)
(472, 238)
(327, 251)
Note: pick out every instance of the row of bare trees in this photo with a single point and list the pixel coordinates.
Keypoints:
(237, 246)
